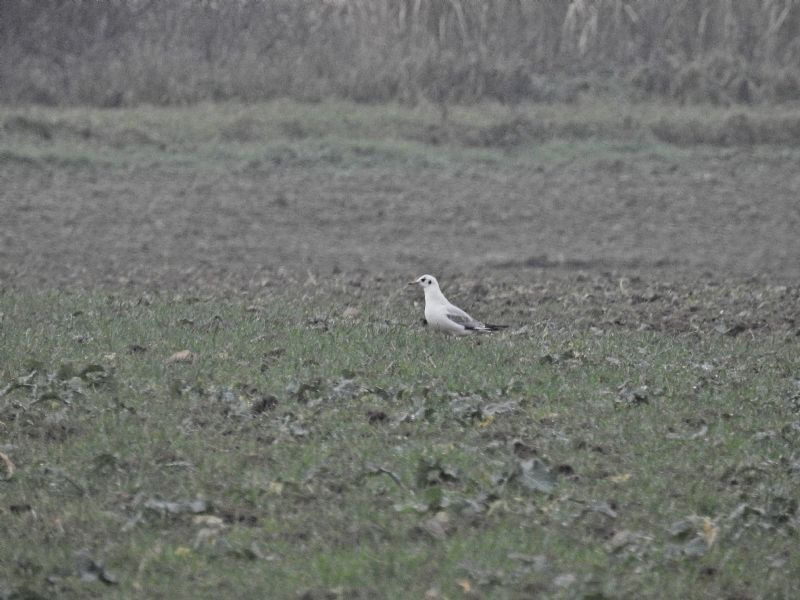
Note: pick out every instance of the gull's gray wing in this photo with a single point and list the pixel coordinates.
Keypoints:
(456, 315)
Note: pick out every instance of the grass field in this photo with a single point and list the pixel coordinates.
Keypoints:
(214, 382)
(359, 457)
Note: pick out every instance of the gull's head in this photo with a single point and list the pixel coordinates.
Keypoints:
(425, 281)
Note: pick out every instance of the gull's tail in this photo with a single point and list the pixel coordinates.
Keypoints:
(489, 328)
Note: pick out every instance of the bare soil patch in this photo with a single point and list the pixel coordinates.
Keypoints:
(702, 245)
(720, 215)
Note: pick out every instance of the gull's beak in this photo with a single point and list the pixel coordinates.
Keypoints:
(412, 283)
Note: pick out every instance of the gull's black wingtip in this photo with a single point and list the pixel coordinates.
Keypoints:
(491, 327)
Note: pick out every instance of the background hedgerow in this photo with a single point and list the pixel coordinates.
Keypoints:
(183, 51)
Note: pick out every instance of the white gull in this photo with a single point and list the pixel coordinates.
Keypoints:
(442, 315)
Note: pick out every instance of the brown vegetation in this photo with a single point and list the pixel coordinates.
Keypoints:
(133, 51)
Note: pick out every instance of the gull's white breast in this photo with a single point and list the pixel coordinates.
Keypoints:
(436, 316)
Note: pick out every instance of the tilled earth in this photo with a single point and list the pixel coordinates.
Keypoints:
(709, 240)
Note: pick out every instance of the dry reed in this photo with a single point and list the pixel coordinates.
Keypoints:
(180, 51)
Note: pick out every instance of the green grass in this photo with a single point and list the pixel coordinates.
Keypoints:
(342, 135)
(387, 460)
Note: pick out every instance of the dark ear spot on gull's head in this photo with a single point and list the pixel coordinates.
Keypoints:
(424, 281)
